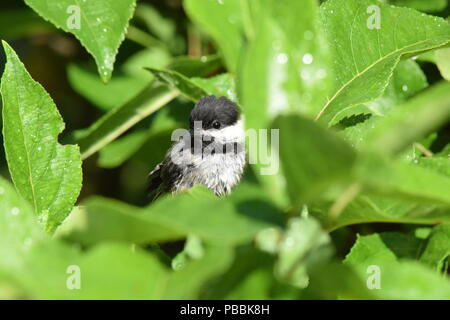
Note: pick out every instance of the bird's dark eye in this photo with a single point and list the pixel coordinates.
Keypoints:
(216, 124)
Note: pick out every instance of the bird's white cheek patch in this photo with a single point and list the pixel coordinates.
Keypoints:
(234, 133)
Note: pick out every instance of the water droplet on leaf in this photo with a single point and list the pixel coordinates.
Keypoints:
(15, 211)
(282, 58)
(307, 58)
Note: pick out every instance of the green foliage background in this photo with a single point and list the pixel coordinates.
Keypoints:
(363, 114)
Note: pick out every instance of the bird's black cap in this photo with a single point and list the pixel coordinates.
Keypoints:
(211, 108)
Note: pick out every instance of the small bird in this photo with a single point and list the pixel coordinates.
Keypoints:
(210, 153)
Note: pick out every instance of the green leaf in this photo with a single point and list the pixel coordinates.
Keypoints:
(337, 281)
(285, 66)
(162, 125)
(18, 227)
(440, 165)
(20, 235)
(373, 208)
(222, 85)
(188, 282)
(173, 218)
(192, 67)
(395, 246)
(407, 80)
(121, 149)
(138, 276)
(120, 119)
(404, 180)
(429, 56)
(177, 81)
(399, 279)
(124, 86)
(162, 25)
(303, 242)
(151, 57)
(221, 19)
(393, 191)
(364, 58)
(102, 219)
(196, 88)
(426, 6)
(21, 245)
(115, 93)
(438, 248)
(44, 172)
(314, 157)
(249, 277)
(101, 29)
(411, 121)
(443, 62)
(36, 265)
